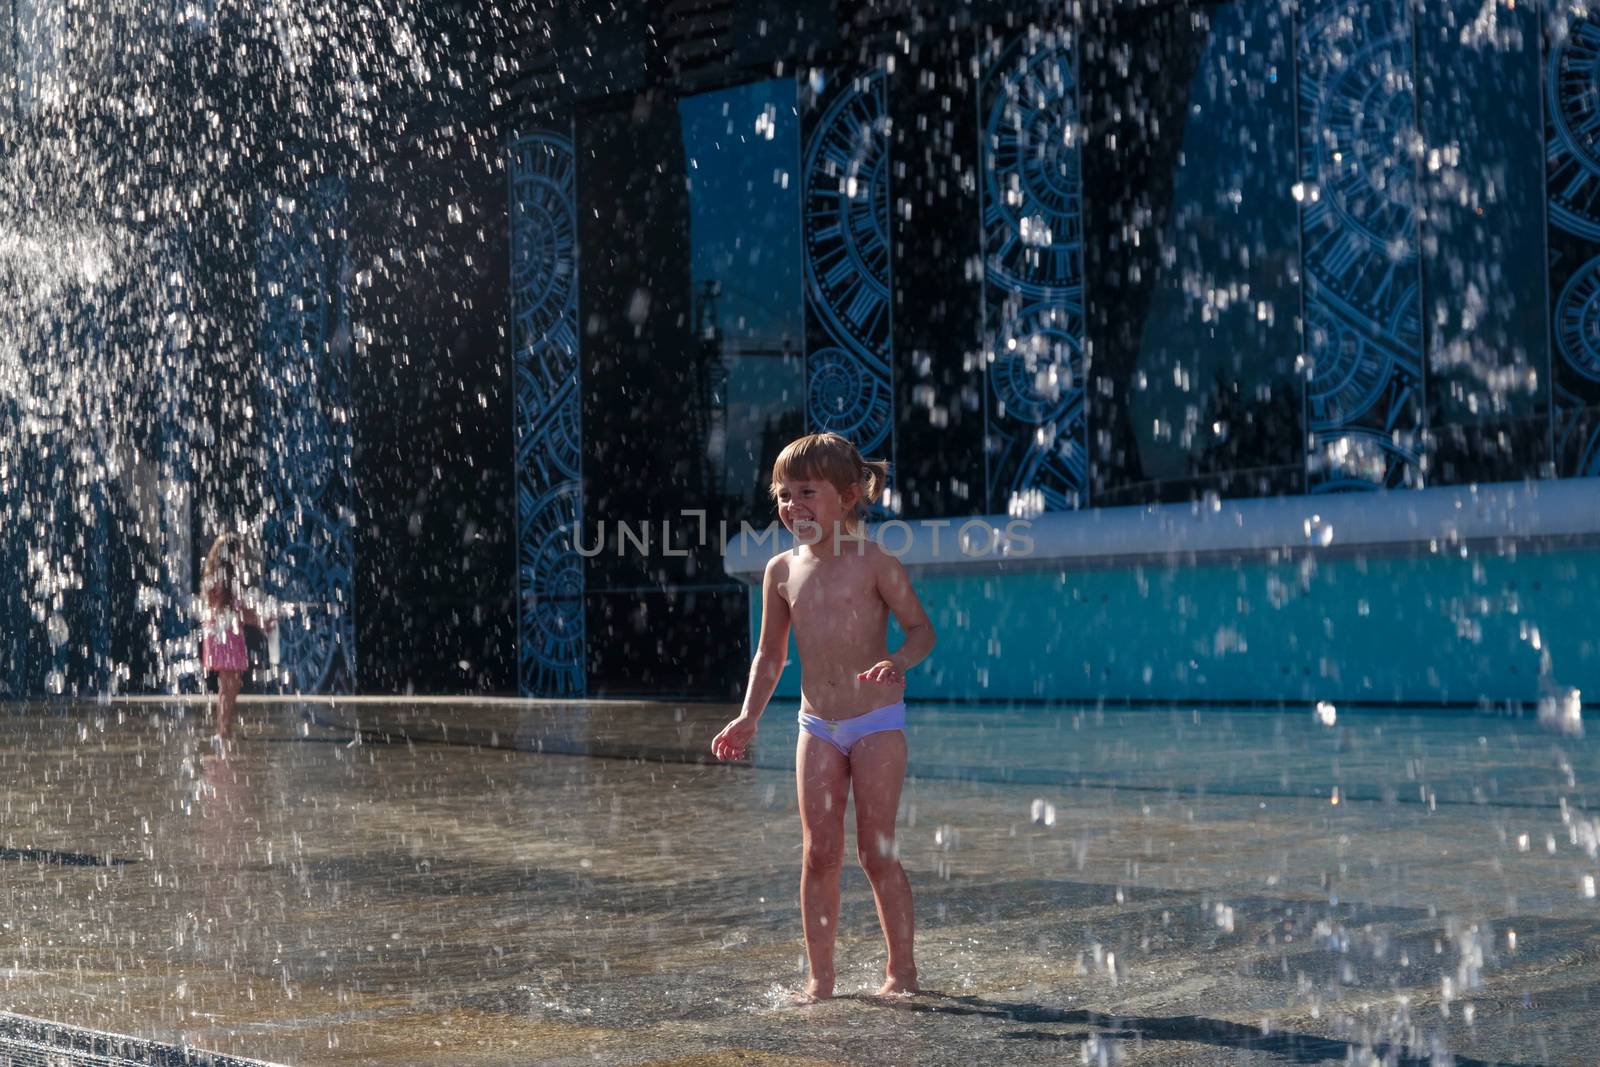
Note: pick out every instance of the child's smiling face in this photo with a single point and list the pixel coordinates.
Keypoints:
(812, 509)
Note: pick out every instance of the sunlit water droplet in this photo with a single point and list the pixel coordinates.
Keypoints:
(1561, 710)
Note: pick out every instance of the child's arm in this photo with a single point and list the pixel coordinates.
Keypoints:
(250, 610)
(772, 651)
(894, 585)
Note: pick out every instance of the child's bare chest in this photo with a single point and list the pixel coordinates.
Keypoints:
(838, 592)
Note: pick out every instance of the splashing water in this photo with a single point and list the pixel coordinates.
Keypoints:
(129, 220)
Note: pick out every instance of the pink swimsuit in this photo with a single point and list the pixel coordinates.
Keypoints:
(224, 648)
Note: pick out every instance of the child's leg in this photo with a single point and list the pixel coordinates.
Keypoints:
(877, 771)
(822, 776)
(228, 685)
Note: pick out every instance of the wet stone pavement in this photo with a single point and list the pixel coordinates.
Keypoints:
(521, 883)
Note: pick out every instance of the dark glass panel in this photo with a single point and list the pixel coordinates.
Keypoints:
(435, 552)
(938, 281)
(1192, 239)
(742, 151)
(656, 619)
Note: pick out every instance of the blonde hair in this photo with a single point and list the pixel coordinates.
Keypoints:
(827, 457)
(220, 573)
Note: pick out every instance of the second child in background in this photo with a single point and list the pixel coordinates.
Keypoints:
(222, 591)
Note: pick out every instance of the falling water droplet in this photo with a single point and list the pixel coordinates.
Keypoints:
(1318, 531)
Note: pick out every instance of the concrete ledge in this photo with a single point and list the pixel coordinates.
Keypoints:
(1427, 520)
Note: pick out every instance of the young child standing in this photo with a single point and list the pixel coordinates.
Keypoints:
(837, 589)
(226, 615)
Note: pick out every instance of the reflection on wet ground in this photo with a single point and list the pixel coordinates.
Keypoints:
(514, 883)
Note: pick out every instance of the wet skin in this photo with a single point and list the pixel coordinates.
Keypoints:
(837, 590)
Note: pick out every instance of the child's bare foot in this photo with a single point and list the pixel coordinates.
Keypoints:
(816, 989)
(899, 985)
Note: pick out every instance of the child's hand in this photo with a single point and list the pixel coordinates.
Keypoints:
(734, 739)
(883, 671)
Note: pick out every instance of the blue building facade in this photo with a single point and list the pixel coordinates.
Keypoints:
(492, 365)
(1155, 256)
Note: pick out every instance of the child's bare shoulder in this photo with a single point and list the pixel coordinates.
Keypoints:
(777, 570)
(888, 573)
(880, 558)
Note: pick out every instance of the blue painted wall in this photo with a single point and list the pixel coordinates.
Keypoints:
(1387, 629)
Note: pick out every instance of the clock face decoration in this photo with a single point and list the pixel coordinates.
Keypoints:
(1033, 273)
(1053, 475)
(1572, 90)
(295, 314)
(295, 330)
(1577, 321)
(543, 236)
(549, 415)
(1572, 171)
(1352, 370)
(1037, 376)
(1358, 216)
(549, 429)
(1359, 459)
(550, 584)
(848, 283)
(845, 398)
(1039, 383)
(1363, 152)
(309, 640)
(1033, 181)
(308, 540)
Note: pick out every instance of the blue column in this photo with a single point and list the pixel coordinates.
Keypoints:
(1359, 195)
(177, 646)
(549, 414)
(1572, 169)
(1032, 190)
(307, 534)
(849, 283)
(14, 624)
